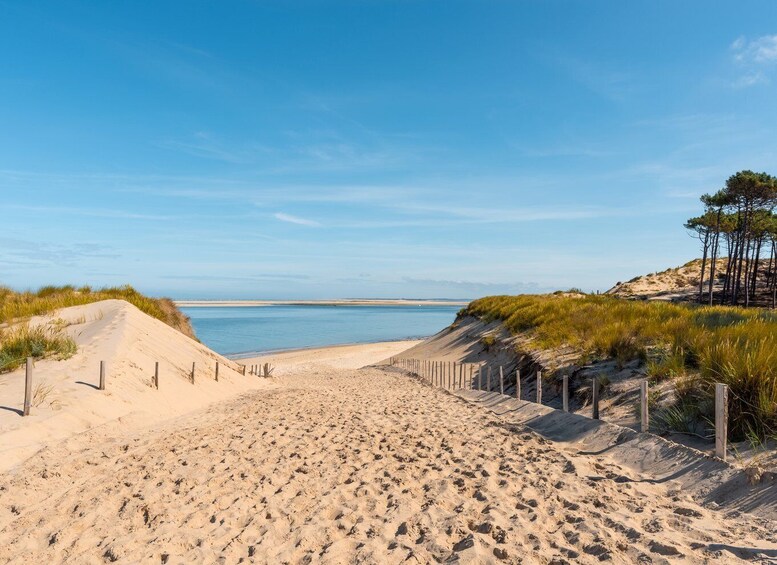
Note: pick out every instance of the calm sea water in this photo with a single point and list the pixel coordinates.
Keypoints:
(242, 330)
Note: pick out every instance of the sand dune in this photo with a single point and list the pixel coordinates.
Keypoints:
(130, 342)
(344, 465)
(328, 462)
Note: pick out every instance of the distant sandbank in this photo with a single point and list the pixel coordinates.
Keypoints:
(336, 302)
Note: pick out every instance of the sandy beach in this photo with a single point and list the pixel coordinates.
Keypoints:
(337, 464)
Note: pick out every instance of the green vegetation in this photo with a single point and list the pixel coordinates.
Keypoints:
(16, 306)
(22, 341)
(706, 344)
(741, 217)
(488, 342)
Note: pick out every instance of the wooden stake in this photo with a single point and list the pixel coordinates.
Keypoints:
(156, 375)
(539, 387)
(721, 420)
(518, 384)
(488, 382)
(565, 393)
(644, 417)
(501, 381)
(470, 375)
(194, 368)
(102, 375)
(27, 387)
(217, 371)
(596, 398)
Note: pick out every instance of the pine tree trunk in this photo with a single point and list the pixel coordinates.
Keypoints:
(754, 279)
(713, 263)
(774, 275)
(703, 265)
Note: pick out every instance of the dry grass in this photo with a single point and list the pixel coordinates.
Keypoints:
(41, 394)
(22, 305)
(734, 346)
(22, 341)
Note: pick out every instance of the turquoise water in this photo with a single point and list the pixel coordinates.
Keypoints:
(244, 330)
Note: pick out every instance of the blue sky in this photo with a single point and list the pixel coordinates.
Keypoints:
(368, 148)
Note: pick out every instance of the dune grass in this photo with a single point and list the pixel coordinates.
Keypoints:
(16, 306)
(704, 344)
(22, 341)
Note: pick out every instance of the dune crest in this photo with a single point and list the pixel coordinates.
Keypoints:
(130, 342)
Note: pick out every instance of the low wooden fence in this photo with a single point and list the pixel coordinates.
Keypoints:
(265, 371)
(451, 375)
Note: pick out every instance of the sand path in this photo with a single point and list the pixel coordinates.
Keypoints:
(351, 465)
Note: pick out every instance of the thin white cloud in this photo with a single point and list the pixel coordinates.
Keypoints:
(748, 80)
(295, 220)
(761, 50)
(89, 212)
(753, 56)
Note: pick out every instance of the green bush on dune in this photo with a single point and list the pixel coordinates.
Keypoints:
(709, 344)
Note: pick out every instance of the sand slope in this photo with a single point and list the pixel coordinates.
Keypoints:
(130, 342)
(648, 456)
(342, 465)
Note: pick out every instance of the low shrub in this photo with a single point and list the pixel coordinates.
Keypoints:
(20, 342)
(730, 345)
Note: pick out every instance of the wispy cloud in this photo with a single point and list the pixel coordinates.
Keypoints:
(760, 50)
(753, 56)
(612, 84)
(89, 212)
(24, 252)
(750, 79)
(295, 220)
(204, 144)
(477, 287)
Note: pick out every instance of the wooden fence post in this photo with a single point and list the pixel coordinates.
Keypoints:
(488, 381)
(501, 381)
(102, 375)
(721, 420)
(596, 398)
(539, 387)
(644, 417)
(565, 393)
(518, 384)
(194, 368)
(27, 387)
(156, 375)
(470, 375)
